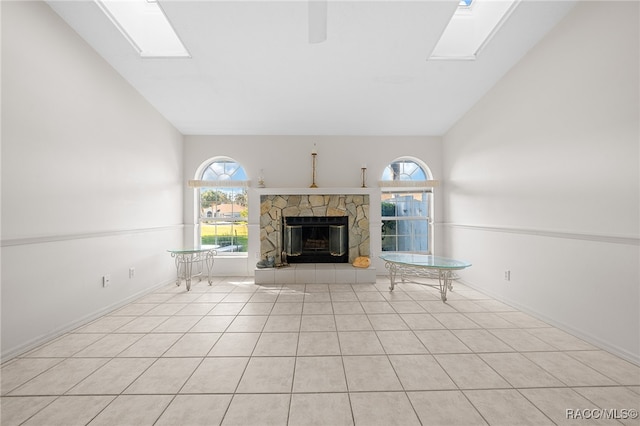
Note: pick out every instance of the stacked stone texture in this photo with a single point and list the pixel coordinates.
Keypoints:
(274, 207)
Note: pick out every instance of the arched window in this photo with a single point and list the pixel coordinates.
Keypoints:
(222, 206)
(407, 207)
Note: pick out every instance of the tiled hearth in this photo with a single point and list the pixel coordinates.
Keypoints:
(312, 273)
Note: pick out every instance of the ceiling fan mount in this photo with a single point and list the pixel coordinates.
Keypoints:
(317, 13)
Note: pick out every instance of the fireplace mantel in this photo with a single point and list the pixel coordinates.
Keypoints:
(316, 191)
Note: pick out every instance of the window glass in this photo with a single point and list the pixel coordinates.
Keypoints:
(404, 170)
(406, 211)
(224, 208)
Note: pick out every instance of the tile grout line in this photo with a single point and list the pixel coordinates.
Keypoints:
(586, 362)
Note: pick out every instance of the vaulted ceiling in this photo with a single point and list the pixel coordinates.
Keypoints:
(253, 71)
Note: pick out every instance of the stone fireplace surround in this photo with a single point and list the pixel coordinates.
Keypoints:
(355, 206)
(274, 207)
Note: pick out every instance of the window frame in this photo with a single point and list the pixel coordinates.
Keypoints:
(225, 184)
(398, 188)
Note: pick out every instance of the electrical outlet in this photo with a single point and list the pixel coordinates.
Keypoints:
(106, 280)
(507, 275)
(132, 272)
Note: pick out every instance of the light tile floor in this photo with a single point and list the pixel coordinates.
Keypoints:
(236, 353)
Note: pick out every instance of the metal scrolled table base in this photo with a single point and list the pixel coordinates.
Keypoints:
(184, 265)
(425, 266)
(445, 276)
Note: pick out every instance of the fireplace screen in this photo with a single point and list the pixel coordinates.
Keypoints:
(337, 237)
(293, 240)
(316, 239)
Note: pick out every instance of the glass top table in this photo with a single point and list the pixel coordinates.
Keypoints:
(423, 265)
(185, 258)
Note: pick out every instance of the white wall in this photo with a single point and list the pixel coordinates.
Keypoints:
(542, 178)
(91, 182)
(286, 163)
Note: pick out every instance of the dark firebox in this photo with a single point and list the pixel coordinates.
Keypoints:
(316, 239)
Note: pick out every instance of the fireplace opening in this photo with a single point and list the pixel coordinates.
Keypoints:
(316, 239)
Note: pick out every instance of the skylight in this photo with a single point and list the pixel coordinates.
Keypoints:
(145, 26)
(470, 28)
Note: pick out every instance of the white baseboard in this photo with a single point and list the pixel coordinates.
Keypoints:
(59, 331)
(607, 346)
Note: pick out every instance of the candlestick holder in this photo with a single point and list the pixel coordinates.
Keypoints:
(364, 178)
(313, 170)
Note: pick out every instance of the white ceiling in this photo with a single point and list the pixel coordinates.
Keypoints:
(253, 71)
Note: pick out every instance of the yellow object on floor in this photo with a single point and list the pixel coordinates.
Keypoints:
(362, 262)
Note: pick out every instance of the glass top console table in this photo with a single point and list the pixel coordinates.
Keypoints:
(421, 265)
(185, 259)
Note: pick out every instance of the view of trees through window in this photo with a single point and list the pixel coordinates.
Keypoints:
(223, 208)
(406, 217)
